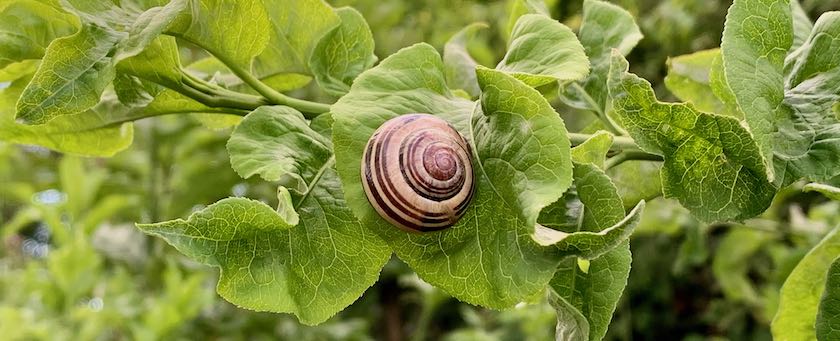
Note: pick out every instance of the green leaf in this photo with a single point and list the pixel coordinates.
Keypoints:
(731, 263)
(158, 63)
(591, 245)
(712, 165)
(594, 150)
(571, 324)
(806, 144)
(295, 28)
(604, 27)
(721, 89)
(518, 8)
(542, 51)
(460, 66)
(828, 315)
(801, 292)
(235, 31)
(72, 76)
(689, 78)
(521, 164)
(313, 269)
(76, 69)
(756, 38)
(343, 53)
(829, 191)
(91, 133)
(596, 290)
(802, 25)
(27, 27)
(637, 181)
(278, 144)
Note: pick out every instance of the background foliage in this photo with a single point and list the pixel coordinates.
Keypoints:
(74, 266)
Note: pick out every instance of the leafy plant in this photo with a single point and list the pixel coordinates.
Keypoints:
(553, 209)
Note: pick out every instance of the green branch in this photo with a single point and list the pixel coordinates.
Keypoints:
(631, 155)
(619, 142)
(599, 112)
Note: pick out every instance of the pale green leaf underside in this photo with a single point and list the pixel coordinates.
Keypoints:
(828, 315)
(343, 53)
(278, 144)
(712, 165)
(312, 270)
(488, 257)
(801, 292)
(543, 50)
(571, 324)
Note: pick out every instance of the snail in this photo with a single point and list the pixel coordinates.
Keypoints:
(417, 173)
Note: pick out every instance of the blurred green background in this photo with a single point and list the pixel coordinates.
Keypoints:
(73, 267)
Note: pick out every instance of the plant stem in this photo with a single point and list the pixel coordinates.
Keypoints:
(629, 155)
(309, 109)
(619, 142)
(598, 110)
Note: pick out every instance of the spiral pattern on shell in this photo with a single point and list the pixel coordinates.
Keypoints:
(417, 173)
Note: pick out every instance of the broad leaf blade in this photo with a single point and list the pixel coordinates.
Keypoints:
(756, 38)
(278, 144)
(296, 27)
(543, 50)
(604, 27)
(828, 315)
(800, 295)
(27, 27)
(488, 257)
(343, 53)
(712, 165)
(72, 76)
(312, 270)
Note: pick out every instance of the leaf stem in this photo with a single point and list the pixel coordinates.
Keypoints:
(598, 110)
(309, 109)
(620, 142)
(629, 155)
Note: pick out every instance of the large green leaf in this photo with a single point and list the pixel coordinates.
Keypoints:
(295, 28)
(76, 69)
(235, 31)
(712, 165)
(689, 78)
(521, 164)
(92, 133)
(807, 143)
(542, 51)
(828, 315)
(28, 26)
(278, 144)
(788, 105)
(343, 53)
(802, 25)
(312, 269)
(460, 66)
(604, 27)
(595, 291)
(801, 292)
(72, 76)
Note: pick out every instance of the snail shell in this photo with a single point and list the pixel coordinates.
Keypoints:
(417, 173)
